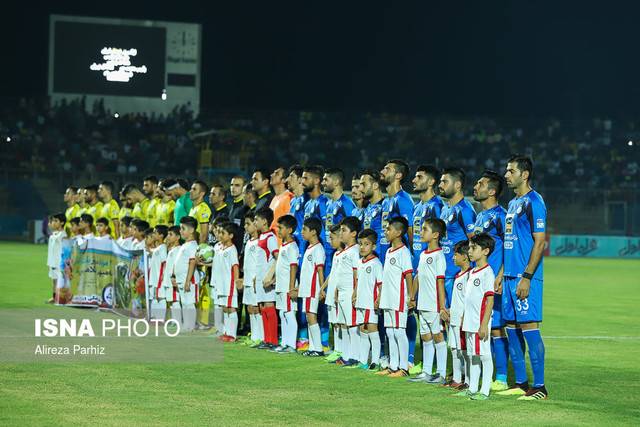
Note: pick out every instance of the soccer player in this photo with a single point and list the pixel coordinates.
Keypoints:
(397, 280)
(139, 227)
(346, 279)
(358, 199)
(425, 183)
(80, 200)
(281, 202)
(524, 241)
(170, 293)
(125, 209)
(491, 220)
(93, 206)
(54, 250)
(366, 295)
(311, 279)
(397, 203)
(184, 273)
(164, 209)
(218, 201)
(249, 296)
(149, 186)
(110, 209)
(371, 187)
(265, 276)
(126, 239)
(200, 210)
(102, 228)
(476, 322)
(328, 294)
(250, 198)
(178, 190)
(135, 198)
(460, 218)
(429, 302)
(286, 283)
(261, 185)
(224, 275)
(338, 206)
(73, 208)
(157, 264)
(237, 210)
(456, 339)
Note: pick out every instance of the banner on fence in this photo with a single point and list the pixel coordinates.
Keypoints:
(595, 246)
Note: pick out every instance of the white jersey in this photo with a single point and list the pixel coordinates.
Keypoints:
(431, 267)
(267, 248)
(479, 287)
(54, 249)
(369, 281)
(330, 298)
(170, 262)
(222, 277)
(287, 258)
(249, 261)
(138, 245)
(344, 266)
(395, 293)
(313, 259)
(157, 265)
(126, 242)
(186, 253)
(457, 297)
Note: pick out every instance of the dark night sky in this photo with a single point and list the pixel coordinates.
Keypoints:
(499, 57)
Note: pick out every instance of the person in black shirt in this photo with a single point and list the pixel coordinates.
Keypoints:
(260, 181)
(237, 209)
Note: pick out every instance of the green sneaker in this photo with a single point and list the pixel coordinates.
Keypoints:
(499, 386)
(333, 356)
(478, 396)
(416, 369)
(463, 393)
(363, 366)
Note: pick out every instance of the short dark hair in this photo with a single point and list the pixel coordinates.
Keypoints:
(524, 163)
(86, 218)
(437, 225)
(163, 230)
(484, 241)
(369, 234)
(230, 227)
(174, 229)
(250, 215)
(495, 181)
(264, 173)
(375, 176)
(167, 183)
(59, 216)
(265, 213)
(126, 220)
(189, 221)
(219, 220)
(103, 221)
(108, 184)
(140, 224)
(249, 189)
(456, 173)
(203, 185)
(128, 188)
(75, 220)
(462, 248)
(335, 228)
(297, 169)
(222, 188)
(151, 178)
(73, 188)
(148, 232)
(336, 173)
(352, 223)
(400, 222)
(314, 224)
(433, 172)
(316, 170)
(289, 221)
(400, 166)
(92, 188)
(183, 183)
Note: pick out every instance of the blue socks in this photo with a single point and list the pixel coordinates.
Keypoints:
(500, 349)
(536, 355)
(412, 331)
(516, 351)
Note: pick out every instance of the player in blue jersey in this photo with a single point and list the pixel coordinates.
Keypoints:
(491, 220)
(460, 218)
(397, 203)
(358, 199)
(425, 183)
(371, 189)
(339, 206)
(294, 184)
(524, 241)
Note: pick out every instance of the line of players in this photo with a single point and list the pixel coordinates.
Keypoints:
(520, 275)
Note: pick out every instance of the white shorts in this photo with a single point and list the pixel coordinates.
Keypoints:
(54, 273)
(429, 322)
(249, 295)
(170, 294)
(310, 305)
(284, 302)
(156, 293)
(332, 314)
(395, 319)
(228, 301)
(265, 294)
(476, 346)
(347, 313)
(366, 315)
(457, 340)
(189, 298)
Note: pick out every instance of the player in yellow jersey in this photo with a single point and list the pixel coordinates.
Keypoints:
(125, 207)
(135, 198)
(149, 187)
(110, 209)
(73, 208)
(93, 206)
(164, 209)
(80, 200)
(200, 210)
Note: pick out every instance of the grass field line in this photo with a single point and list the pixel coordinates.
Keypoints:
(590, 337)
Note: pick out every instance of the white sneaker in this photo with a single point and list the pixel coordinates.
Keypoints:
(384, 362)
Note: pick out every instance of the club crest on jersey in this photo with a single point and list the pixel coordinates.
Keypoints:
(486, 224)
(368, 270)
(429, 260)
(309, 257)
(519, 210)
(540, 223)
(450, 218)
(226, 254)
(459, 286)
(392, 261)
(476, 282)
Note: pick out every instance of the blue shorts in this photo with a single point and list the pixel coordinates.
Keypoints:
(448, 290)
(497, 321)
(528, 310)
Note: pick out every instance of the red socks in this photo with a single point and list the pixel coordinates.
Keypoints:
(270, 322)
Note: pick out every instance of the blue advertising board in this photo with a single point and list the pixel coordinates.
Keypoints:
(595, 246)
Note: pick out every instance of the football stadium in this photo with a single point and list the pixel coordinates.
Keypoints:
(284, 214)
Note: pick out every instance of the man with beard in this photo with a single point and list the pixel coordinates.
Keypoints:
(80, 200)
(178, 190)
(200, 210)
(238, 209)
(459, 216)
(281, 202)
(93, 205)
(137, 199)
(294, 183)
(371, 189)
(492, 221)
(73, 208)
(524, 241)
(339, 206)
(425, 183)
(125, 208)
(358, 199)
(262, 186)
(110, 209)
(164, 210)
(397, 203)
(149, 185)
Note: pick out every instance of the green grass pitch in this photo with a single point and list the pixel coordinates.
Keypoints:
(591, 332)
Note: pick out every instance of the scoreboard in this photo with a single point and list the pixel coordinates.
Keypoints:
(134, 66)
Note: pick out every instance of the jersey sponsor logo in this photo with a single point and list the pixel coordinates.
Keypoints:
(476, 282)
(508, 245)
(446, 249)
(508, 221)
(429, 260)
